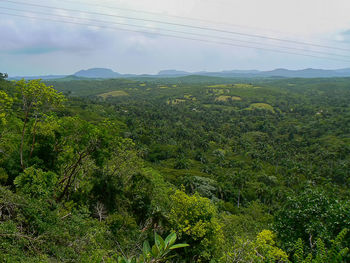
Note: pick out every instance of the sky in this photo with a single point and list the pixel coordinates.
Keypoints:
(69, 35)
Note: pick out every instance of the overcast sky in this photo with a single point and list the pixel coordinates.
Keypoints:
(41, 46)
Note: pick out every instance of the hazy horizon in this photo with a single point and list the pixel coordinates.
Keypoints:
(155, 73)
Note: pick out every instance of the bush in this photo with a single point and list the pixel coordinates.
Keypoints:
(195, 220)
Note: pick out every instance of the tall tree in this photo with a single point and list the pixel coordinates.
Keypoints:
(3, 76)
(5, 105)
(36, 99)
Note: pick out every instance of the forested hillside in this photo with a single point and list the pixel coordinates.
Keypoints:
(189, 169)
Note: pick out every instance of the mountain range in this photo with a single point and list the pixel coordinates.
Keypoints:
(105, 73)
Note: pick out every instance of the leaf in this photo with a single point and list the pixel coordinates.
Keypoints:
(179, 246)
(159, 242)
(170, 239)
(146, 249)
(155, 251)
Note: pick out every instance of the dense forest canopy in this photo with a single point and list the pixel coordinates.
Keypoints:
(225, 170)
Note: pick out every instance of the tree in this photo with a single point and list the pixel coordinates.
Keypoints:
(5, 105)
(76, 143)
(262, 249)
(3, 76)
(36, 183)
(310, 215)
(336, 253)
(195, 220)
(36, 99)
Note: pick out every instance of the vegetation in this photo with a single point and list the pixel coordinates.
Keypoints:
(234, 170)
(115, 93)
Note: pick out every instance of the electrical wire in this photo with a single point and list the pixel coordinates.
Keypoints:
(162, 14)
(177, 24)
(173, 16)
(177, 31)
(174, 36)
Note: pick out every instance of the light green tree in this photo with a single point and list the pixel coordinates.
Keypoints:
(36, 99)
(5, 105)
(195, 219)
(263, 249)
(36, 183)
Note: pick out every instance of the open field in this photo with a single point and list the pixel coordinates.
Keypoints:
(227, 98)
(116, 93)
(261, 106)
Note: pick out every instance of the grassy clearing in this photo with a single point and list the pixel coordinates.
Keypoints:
(244, 86)
(189, 97)
(115, 93)
(223, 98)
(227, 98)
(262, 106)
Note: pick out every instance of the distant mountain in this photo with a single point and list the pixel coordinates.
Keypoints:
(344, 70)
(230, 73)
(240, 71)
(307, 73)
(172, 73)
(282, 73)
(103, 73)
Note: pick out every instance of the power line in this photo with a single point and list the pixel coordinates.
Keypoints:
(177, 31)
(174, 36)
(171, 16)
(162, 14)
(178, 24)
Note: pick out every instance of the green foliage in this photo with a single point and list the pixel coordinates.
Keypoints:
(161, 248)
(124, 229)
(3, 176)
(181, 163)
(97, 177)
(5, 105)
(261, 250)
(36, 183)
(195, 219)
(266, 248)
(159, 252)
(246, 222)
(36, 95)
(334, 254)
(33, 230)
(36, 99)
(310, 215)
